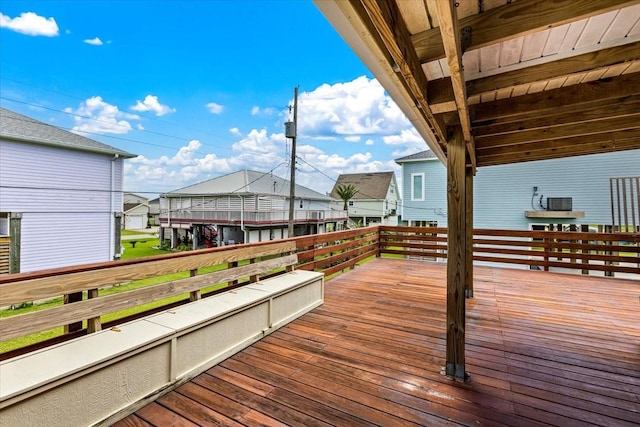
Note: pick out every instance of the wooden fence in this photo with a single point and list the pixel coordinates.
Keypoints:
(609, 253)
(330, 253)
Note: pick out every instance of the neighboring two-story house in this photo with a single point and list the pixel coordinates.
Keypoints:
(242, 207)
(376, 200)
(522, 196)
(136, 212)
(60, 195)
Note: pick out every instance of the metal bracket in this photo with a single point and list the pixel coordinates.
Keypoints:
(469, 86)
(465, 38)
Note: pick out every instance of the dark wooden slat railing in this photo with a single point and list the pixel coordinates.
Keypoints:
(329, 253)
(237, 265)
(607, 252)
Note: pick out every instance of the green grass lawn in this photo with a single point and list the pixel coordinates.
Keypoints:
(143, 248)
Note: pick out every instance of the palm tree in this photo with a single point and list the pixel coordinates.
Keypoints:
(346, 193)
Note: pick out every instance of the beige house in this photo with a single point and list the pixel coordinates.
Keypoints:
(377, 198)
(136, 211)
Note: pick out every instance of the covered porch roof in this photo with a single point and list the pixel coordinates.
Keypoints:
(524, 80)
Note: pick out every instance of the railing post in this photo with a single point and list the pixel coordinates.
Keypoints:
(545, 243)
(608, 229)
(585, 258)
(197, 294)
(93, 324)
(69, 299)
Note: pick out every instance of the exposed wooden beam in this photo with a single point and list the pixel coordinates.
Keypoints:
(453, 50)
(513, 20)
(440, 92)
(566, 99)
(560, 131)
(566, 147)
(456, 256)
(387, 20)
(630, 106)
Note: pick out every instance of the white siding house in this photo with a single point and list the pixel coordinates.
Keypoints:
(242, 207)
(515, 196)
(52, 219)
(377, 198)
(135, 211)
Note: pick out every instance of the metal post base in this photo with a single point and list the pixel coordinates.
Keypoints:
(455, 372)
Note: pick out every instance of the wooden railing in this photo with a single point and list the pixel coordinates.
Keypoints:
(604, 252)
(330, 253)
(238, 265)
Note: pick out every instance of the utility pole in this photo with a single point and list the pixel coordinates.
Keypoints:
(292, 181)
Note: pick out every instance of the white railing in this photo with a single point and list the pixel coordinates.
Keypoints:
(252, 216)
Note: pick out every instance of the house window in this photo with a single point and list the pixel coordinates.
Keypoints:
(4, 223)
(417, 186)
(350, 202)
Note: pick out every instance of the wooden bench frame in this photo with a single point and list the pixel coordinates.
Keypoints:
(118, 369)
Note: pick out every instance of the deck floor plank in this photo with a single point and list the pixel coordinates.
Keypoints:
(541, 348)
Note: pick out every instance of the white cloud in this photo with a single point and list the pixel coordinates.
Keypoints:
(214, 108)
(235, 131)
(96, 116)
(94, 41)
(255, 111)
(358, 107)
(30, 24)
(369, 142)
(140, 127)
(354, 138)
(151, 103)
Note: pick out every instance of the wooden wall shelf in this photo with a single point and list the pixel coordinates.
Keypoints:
(554, 214)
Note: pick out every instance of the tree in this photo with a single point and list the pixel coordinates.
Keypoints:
(346, 193)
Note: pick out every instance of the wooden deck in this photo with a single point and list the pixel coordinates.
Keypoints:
(542, 349)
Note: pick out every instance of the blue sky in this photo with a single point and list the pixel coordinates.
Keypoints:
(198, 89)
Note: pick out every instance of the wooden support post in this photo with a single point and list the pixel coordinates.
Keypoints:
(469, 231)
(456, 257)
(15, 232)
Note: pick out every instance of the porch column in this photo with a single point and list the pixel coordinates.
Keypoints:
(469, 231)
(456, 255)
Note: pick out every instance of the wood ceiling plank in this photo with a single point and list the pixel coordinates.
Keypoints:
(440, 92)
(573, 141)
(576, 148)
(571, 98)
(561, 131)
(516, 19)
(628, 107)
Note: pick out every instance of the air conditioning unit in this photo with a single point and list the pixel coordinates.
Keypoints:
(559, 203)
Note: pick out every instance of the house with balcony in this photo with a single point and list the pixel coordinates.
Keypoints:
(566, 193)
(45, 215)
(376, 200)
(242, 207)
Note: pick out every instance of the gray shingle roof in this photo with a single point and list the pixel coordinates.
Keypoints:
(370, 186)
(246, 182)
(422, 155)
(16, 127)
